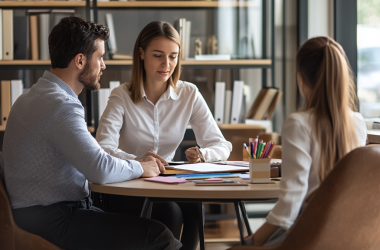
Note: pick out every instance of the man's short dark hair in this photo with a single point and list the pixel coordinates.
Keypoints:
(71, 36)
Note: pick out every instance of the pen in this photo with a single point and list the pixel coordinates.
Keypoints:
(265, 149)
(255, 145)
(200, 154)
(246, 148)
(270, 150)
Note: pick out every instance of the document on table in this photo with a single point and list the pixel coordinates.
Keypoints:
(208, 168)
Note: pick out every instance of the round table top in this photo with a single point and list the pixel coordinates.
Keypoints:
(188, 190)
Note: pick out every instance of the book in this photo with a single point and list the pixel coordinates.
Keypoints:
(114, 84)
(227, 107)
(21, 34)
(112, 46)
(103, 95)
(1, 34)
(7, 34)
(237, 101)
(187, 39)
(16, 90)
(34, 50)
(262, 103)
(221, 183)
(219, 102)
(216, 57)
(44, 31)
(273, 105)
(182, 30)
(111, 43)
(167, 180)
(5, 102)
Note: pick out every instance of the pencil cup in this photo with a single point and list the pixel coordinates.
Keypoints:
(259, 170)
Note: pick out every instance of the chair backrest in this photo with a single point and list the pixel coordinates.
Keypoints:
(344, 213)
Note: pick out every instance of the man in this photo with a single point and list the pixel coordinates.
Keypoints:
(49, 156)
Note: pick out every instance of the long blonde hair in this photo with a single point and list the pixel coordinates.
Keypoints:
(331, 98)
(149, 32)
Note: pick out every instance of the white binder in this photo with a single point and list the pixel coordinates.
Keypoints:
(16, 90)
(227, 107)
(237, 101)
(219, 102)
(114, 84)
(104, 94)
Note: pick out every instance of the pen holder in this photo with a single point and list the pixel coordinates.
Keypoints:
(259, 170)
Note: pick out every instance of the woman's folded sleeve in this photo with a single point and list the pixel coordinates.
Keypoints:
(296, 164)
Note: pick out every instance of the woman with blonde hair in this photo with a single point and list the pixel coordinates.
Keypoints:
(148, 116)
(314, 140)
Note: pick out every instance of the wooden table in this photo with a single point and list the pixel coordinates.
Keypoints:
(188, 192)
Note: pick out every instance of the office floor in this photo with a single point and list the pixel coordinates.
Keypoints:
(223, 234)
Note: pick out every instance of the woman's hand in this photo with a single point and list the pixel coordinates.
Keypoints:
(159, 160)
(192, 155)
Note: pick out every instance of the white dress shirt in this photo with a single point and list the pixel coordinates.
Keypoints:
(300, 166)
(127, 130)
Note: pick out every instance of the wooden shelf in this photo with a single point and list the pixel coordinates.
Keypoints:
(177, 4)
(42, 3)
(91, 129)
(129, 62)
(209, 63)
(24, 62)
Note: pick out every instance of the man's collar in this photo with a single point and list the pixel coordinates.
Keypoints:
(63, 85)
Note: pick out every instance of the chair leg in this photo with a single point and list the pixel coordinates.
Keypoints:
(201, 227)
(240, 223)
(245, 217)
(147, 208)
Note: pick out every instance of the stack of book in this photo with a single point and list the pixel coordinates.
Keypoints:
(264, 104)
(24, 33)
(183, 27)
(230, 105)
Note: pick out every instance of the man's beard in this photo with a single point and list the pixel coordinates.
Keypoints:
(88, 79)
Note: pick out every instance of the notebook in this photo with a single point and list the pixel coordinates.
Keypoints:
(168, 180)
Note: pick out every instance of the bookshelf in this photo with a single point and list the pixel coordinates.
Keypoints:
(252, 63)
(44, 4)
(29, 70)
(176, 4)
(264, 62)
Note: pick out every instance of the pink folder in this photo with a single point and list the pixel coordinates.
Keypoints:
(168, 180)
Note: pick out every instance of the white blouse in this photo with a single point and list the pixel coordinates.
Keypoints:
(127, 130)
(300, 166)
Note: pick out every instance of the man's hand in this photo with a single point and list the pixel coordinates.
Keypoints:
(159, 160)
(151, 168)
(192, 155)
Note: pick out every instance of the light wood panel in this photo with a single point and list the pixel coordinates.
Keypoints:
(178, 4)
(42, 3)
(139, 187)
